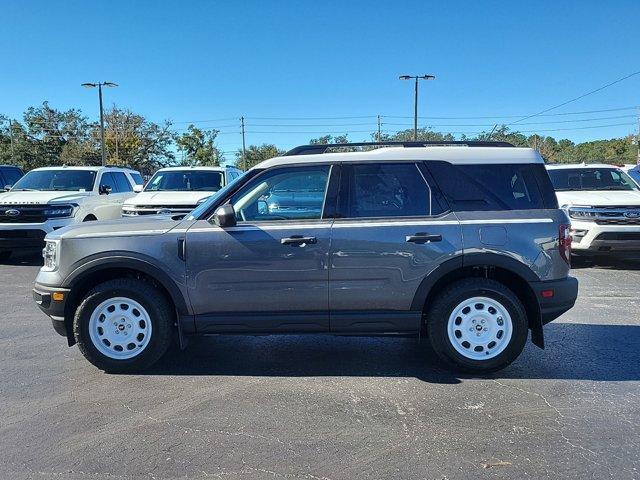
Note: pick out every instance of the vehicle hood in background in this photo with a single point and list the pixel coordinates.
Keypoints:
(40, 198)
(600, 198)
(167, 198)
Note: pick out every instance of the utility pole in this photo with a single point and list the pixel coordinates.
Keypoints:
(638, 139)
(11, 136)
(244, 151)
(379, 131)
(415, 99)
(100, 85)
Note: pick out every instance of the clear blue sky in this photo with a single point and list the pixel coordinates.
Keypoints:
(202, 60)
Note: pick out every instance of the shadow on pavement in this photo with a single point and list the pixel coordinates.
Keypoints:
(27, 259)
(606, 262)
(574, 351)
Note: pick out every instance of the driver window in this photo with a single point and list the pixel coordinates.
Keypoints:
(283, 194)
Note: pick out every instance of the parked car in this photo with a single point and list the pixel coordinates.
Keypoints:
(8, 176)
(603, 203)
(178, 190)
(461, 244)
(634, 172)
(47, 199)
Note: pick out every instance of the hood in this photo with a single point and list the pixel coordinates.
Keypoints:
(40, 198)
(167, 198)
(124, 227)
(600, 198)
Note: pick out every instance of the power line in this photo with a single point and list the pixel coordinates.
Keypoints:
(579, 97)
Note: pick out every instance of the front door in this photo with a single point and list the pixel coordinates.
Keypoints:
(269, 272)
(391, 233)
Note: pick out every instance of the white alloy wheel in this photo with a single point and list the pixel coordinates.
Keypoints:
(120, 328)
(480, 328)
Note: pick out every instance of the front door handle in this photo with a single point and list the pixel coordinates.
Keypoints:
(298, 240)
(422, 237)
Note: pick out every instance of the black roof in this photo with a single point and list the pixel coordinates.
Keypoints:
(322, 148)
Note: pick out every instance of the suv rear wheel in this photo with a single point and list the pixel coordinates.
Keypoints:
(123, 325)
(477, 325)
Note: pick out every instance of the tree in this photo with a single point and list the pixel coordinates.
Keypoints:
(134, 141)
(199, 147)
(256, 154)
(326, 139)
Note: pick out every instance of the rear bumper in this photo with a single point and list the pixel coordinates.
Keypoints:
(565, 293)
(54, 309)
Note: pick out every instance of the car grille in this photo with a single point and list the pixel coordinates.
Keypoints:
(25, 213)
(618, 215)
(620, 236)
(155, 209)
(22, 234)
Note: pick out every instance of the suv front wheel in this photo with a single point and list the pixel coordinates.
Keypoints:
(123, 325)
(477, 325)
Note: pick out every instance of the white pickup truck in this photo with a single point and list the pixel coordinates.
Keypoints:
(47, 199)
(178, 190)
(603, 203)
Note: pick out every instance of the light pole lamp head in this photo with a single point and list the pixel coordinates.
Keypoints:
(109, 84)
(428, 77)
(89, 85)
(405, 77)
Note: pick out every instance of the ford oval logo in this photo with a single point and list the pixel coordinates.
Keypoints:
(12, 212)
(626, 214)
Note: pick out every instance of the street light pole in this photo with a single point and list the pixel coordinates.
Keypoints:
(100, 85)
(415, 99)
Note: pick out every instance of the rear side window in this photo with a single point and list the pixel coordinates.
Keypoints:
(494, 186)
(122, 182)
(385, 190)
(137, 178)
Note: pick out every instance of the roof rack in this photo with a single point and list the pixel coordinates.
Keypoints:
(322, 148)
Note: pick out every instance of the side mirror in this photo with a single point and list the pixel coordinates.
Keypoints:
(138, 188)
(225, 216)
(104, 190)
(7, 187)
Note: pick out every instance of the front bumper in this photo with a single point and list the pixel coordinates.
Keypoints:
(565, 293)
(24, 236)
(52, 305)
(605, 238)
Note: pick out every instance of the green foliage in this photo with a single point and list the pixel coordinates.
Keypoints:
(199, 147)
(256, 154)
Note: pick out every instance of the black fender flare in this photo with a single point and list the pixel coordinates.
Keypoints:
(131, 261)
(504, 262)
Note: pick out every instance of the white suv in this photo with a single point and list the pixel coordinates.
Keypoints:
(603, 203)
(178, 190)
(46, 199)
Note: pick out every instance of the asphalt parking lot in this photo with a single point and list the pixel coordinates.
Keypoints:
(300, 407)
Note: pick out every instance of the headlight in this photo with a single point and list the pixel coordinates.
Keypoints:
(50, 255)
(581, 213)
(59, 211)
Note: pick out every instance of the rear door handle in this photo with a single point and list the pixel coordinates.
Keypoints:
(298, 240)
(422, 237)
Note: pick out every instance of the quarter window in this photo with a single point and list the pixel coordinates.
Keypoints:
(283, 194)
(385, 190)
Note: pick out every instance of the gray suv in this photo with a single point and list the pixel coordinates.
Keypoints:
(460, 243)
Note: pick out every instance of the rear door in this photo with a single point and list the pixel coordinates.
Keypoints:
(268, 273)
(392, 230)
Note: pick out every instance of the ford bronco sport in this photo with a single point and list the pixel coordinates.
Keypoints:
(459, 243)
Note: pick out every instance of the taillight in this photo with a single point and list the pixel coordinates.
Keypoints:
(564, 242)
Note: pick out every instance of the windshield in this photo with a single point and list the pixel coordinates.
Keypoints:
(568, 179)
(203, 207)
(65, 180)
(185, 180)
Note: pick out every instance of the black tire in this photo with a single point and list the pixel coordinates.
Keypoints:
(161, 314)
(442, 307)
(4, 256)
(90, 218)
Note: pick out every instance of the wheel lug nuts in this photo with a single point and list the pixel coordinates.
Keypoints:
(485, 329)
(482, 321)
